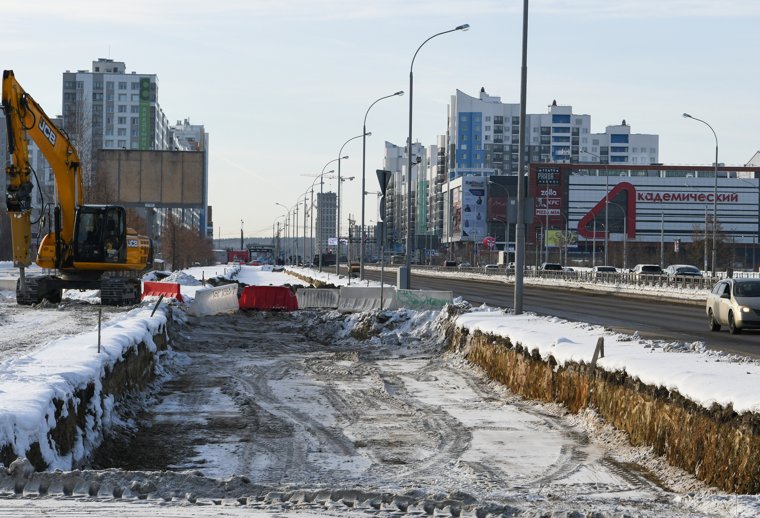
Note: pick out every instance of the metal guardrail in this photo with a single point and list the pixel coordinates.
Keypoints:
(591, 277)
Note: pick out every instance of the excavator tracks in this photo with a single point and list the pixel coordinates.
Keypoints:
(119, 291)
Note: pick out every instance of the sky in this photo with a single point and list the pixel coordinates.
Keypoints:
(281, 85)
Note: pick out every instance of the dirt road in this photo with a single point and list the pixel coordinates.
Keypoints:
(289, 402)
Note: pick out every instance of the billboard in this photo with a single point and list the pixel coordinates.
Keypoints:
(162, 178)
(650, 209)
(474, 207)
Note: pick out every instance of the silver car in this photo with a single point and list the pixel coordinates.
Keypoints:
(734, 303)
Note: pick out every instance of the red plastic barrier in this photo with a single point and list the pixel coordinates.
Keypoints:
(167, 289)
(268, 298)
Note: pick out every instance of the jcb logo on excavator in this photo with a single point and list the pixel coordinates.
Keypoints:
(47, 131)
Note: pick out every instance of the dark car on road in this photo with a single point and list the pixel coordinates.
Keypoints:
(683, 270)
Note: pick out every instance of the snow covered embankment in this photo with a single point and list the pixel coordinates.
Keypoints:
(683, 418)
(56, 403)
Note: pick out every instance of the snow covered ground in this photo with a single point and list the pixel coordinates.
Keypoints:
(38, 368)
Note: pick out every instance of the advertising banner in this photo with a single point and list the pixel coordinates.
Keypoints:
(474, 226)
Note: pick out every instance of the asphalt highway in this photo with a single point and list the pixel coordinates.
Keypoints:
(653, 316)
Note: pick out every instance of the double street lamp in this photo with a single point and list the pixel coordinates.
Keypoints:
(409, 213)
(715, 188)
(364, 179)
(320, 233)
(337, 256)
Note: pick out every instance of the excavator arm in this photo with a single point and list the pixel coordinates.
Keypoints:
(25, 118)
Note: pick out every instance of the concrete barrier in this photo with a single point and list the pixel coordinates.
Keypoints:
(167, 289)
(212, 301)
(421, 300)
(8, 284)
(364, 299)
(318, 298)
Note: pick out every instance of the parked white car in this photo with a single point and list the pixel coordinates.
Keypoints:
(734, 303)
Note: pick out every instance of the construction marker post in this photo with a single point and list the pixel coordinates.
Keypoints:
(100, 319)
(158, 303)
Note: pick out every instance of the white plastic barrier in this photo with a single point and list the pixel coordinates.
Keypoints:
(212, 301)
(318, 298)
(421, 299)
(8, 284)
(364, 299)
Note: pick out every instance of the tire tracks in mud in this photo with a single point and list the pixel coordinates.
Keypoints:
(332, 413)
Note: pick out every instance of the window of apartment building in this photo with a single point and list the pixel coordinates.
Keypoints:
(488, 118)
(619, 149)
(109, 108)
(109, 143)
(80, 85)
(134, 109)
(109, 97)
(618, 159)
(122, 132)
(122, 98)
(122, 143)
(619, 139)
(488, 128)
(97, 85)
(69, 84)
(135, 120)
(560, 119)
(579, 122)
(135, 98)
(134, 132)
(122, 85)
(560, 129)
(109, 120)
(488, 137)
(69, 96)
(122, 108)
(584, 130)
(122, 120)
(109, 131)
(135, 85)
(595, 142)
(652, 150)
(633, 160)
(96, 96)
(109, 85)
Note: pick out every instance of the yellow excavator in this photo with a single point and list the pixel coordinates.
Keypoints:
(89, 246)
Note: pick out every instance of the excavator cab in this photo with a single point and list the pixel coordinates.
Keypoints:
(100, 234)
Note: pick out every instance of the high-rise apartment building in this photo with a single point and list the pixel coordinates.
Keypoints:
(108, 108)
(327, 206)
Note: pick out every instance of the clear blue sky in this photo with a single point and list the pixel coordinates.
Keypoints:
(280, 85)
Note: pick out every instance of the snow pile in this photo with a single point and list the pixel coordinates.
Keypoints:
(30, 384)
(707, 378)
(180, 277)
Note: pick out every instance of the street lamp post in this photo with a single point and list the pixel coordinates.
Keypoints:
(362, 237)
(409, 229)
(625, 232)
(715, 188)
(311, 210)
(506, 218)
(337, 222)
(321, 191)
(285, 226)
(606, 203)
